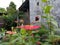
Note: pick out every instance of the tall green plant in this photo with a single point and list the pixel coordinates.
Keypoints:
(51, 22)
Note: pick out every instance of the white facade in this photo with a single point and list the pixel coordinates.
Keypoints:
(36, 10)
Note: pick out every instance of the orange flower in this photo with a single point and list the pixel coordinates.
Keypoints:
(10, 32)
(29, 27)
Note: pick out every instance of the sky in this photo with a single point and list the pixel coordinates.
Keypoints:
(5, 3)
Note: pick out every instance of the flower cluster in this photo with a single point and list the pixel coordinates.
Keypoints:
(29, 27)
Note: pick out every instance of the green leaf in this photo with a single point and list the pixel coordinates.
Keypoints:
(54, 23)
(46, 43)
(23, 31)
(47, 9)
(44, 16)
(2, 10)
(44, 0)
(5, 43)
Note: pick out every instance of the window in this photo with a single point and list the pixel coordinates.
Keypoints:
(36, 18)
(37, 3)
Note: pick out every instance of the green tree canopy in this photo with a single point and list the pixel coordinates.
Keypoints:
(2, 10)
(12, 8)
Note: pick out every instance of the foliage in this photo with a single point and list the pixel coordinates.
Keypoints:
(2, 10)
(52, 24)
(11, 9)
(47, 9)
(23, 37)
(9, 21)
(43, 36)
(53, 38)
(21, 14)
(44, 1)
(11, 16)
(43, 30)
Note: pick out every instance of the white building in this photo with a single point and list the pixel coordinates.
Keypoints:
(35, 12)
(34, 8)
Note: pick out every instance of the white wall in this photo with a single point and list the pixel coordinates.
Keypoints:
(55, 11)
(33, 11)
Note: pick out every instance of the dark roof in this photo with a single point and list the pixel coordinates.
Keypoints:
(25, 6)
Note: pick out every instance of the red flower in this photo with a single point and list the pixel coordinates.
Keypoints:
(38, 43)
(29, 27)
(10, 32)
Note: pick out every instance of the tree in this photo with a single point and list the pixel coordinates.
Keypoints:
(11, 9)
(2, 10)
(11, 16)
